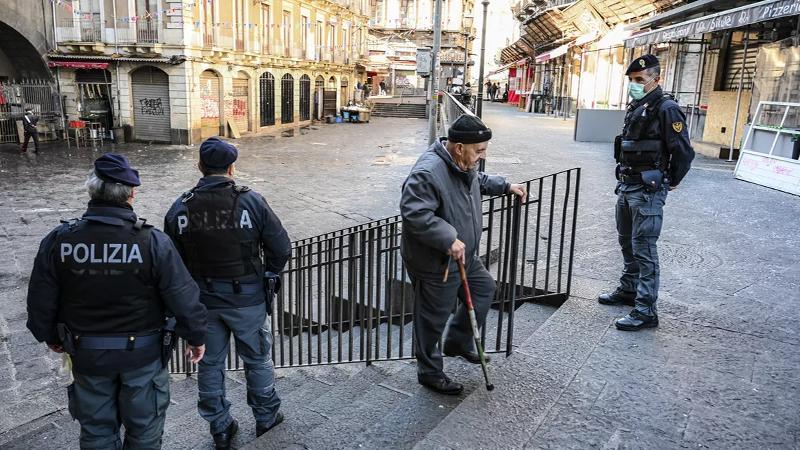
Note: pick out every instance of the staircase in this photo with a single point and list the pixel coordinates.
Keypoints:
(404, 110)
(339, 406)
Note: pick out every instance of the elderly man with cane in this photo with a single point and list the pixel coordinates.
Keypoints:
(442, 225)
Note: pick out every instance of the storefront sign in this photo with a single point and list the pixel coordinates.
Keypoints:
(734, 18)
(78, 64)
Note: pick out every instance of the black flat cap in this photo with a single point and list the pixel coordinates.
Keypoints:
(217, 154)
(641, 63)
(468, 129)
(115, 168)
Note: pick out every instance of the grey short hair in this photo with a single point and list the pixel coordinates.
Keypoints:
(106, 190)
(653, 71)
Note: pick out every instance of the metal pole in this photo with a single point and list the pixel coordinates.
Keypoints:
(739, 96)
(116, 50)
(580, 75)
(697, 87)
(479, 107)
(466, 59)
(434, 99)
(61, 111)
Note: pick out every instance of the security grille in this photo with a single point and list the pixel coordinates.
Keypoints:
(287, 99)
(305, 98)
(267, 99)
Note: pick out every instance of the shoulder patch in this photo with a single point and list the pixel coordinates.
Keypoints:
(677, 126)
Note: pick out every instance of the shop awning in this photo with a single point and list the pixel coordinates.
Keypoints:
(554, 53)
(732, 18)
(79, 64)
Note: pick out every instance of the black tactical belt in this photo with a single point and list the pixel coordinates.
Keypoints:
(631, 179)
(116, 342)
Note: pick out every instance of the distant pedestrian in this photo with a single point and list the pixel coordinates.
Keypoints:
(653, 155)
(100, 291)
(29, 121)
(382, 86)
(366, 91)
(442, 225)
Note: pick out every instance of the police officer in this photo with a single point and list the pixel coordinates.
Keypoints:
(653, 155)
(29, 121)
(442, 225)
(100, 289)
(222, 229)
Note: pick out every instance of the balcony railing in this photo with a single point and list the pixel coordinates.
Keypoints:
(147, 32)
(80, 30)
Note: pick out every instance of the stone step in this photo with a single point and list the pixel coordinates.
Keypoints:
(304, 417)
(549, 357)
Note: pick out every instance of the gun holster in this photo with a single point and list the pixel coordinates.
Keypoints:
(168, 340)
(66, 338)
(272, 285)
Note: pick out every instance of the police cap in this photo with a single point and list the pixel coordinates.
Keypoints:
(641, 63)
(217, 154)
(116, 169)
(468, 129)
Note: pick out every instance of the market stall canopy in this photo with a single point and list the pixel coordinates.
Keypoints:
(732, 18)
(555, 53)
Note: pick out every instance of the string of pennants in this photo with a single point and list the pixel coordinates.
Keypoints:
(67, 5)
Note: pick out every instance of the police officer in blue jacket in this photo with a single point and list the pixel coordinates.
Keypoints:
(653, 155)
(100, 289)
(222, 230)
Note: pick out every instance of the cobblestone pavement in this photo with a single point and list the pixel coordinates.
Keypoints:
(720, 369)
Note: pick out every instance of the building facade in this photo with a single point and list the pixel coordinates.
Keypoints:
(399, 27)
(180, 72)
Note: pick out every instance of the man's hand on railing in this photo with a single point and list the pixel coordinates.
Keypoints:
(518, 189)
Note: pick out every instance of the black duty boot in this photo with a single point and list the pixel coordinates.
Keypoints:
(222, 440)
(263, 428)
(469, 356)
(636, 320)
(441, 384)
(618, 297)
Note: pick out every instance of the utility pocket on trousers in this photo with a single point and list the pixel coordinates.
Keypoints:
(648, 221)
(71, 406)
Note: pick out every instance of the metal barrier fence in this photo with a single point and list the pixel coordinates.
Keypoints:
(39, 95)
(347, 298)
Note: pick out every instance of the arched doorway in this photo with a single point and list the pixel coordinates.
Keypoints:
(21, 58)
(210, 115)
(305, 98)
(151, 117)
(329, 102)
(319, 90)
(267, 96)
(241, 102)
(287, 99)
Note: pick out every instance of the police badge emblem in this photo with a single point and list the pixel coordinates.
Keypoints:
(642, 63)
(677, 126)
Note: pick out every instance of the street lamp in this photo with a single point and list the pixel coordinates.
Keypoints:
(468, 21)
(479, 106)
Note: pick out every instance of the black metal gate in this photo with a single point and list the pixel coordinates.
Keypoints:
(305, 98)
(287, 99)
(39, 95)
(346, 296)
(267, 99)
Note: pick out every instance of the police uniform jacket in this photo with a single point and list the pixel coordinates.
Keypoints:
(439, 204)
(66, 268)
(668, 123)
(250, 220)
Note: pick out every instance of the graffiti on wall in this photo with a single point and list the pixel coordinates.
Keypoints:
(209, 103)
(151, 106)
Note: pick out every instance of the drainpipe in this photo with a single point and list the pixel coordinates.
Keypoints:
(62, 111)
(739, 96)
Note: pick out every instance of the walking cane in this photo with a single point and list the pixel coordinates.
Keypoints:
(474, 322)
